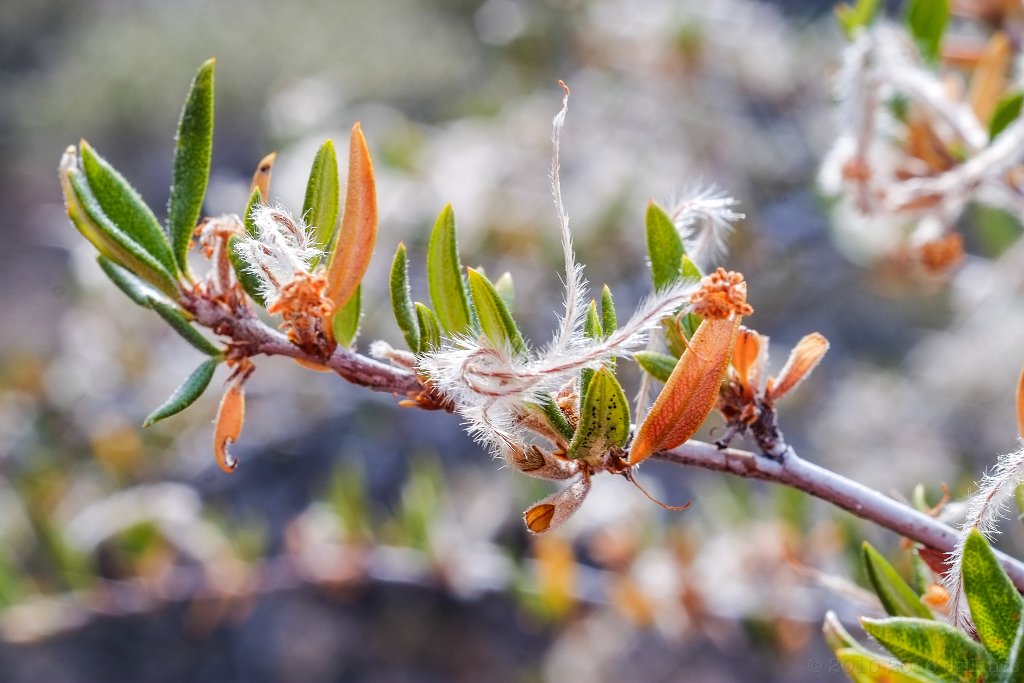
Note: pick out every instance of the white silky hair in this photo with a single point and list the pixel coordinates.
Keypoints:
(281, 248)
(704, 214)
(491, 384)
(985, 509)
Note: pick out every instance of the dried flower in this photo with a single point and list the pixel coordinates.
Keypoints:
(722, 294)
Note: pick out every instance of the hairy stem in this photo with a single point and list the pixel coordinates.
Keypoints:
(865, 502)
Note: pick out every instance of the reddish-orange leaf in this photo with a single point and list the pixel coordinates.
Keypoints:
(358, 233)
(804, 357)
(748, 359)
(261, 178)
(690, 392)
(228, 426)
(989, 78)
(1020, 404)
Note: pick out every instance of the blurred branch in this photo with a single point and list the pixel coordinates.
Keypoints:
(866, 503)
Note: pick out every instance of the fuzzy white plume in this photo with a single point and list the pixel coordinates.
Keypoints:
(281, 248)
(984, 511)
(704, 216)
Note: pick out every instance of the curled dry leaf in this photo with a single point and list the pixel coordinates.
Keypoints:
(804, 357)
(748, 358)
(355, 243)
(228, 425)
(690, 392)
(261, 178)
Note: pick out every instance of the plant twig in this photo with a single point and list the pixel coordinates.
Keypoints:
(849, 495)
(253, 337)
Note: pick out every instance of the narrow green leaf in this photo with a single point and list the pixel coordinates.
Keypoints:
(995, 604)
(444, 276)
(176, 319)
(250, 283)
(1018, 497)
(936, 647)
(859, 16)
(592, 330)
(691, 321)
(556, 418)
(609, 321)
(927, 20)
(346, 321)
(134, 288)
(604, 418)
(495, 320)
(866, 667)
(85, 213)
(401, 299)
(897, 597)
(320, 208)
(125, 208)
(430, 328)
(1007, 111)
(255, 199)
(664, 247)
(192, 154)
(657, 365)
(506, 290)
(1015, 663)
(836, 636)
(185, 395)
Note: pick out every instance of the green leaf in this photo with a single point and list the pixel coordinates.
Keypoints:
(444, 276)
(177, 320)
(664, 247)
(134, 288)
(1015, 663)
(836, 636)
(658, 365)
(430, 328)
(897, 597)
(604, 417)
(192, 155)
(609, 321)
(927, 20)
(556, 418)
(401, 299)
(185, 395)
(859, 16)
(506, 290)
(255, 199)
(592, 330)
(250, 283)
(85, 213)
(495, 320)
(320, 208)
(866, 667)
(934, 646)
(1007, 111)
(346, 321)
(995, 604)
(125, 208)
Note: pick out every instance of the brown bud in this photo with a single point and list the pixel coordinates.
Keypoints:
(541, 464)
(558, 507)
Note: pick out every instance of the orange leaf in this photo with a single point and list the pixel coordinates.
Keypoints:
(748, 359)
(354, 246)
(261, 178)
(690, 392)
(230, 416)
(804, 357)
(989, 78)
(1020, 404)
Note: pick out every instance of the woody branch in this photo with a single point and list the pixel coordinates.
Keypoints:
(253, 337)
